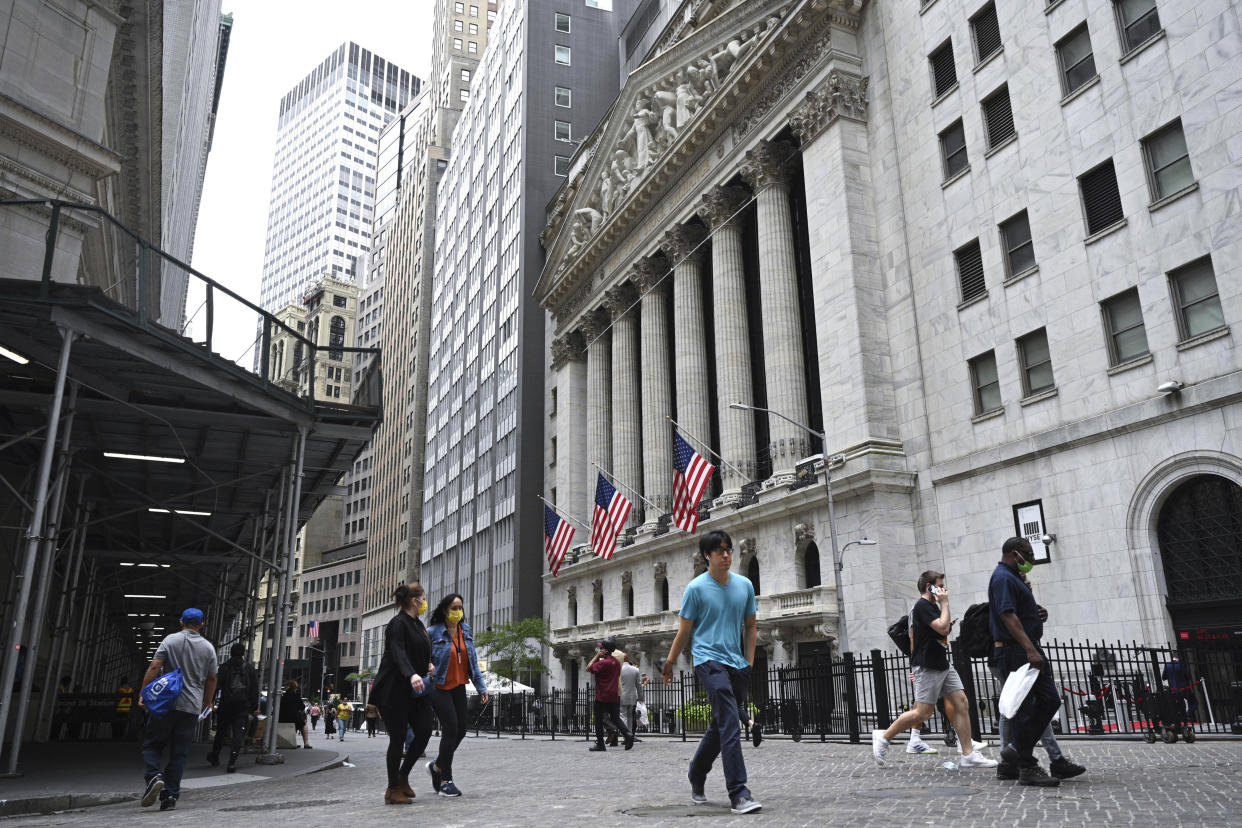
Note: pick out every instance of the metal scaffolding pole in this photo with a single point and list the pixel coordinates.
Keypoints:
(269, 606)
(18, 627)
(56, 655)
(255, 574)
(86, 611)
(286, 584)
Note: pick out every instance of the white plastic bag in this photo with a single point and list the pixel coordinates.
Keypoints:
(1016, 687)
(640, 710)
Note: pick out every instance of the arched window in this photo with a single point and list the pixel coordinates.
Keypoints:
(599, 606)
(1200, 533)
(573, 612)
(752, 572)
(810, 566)
(663, 588)
(627, 601)
(336, 336)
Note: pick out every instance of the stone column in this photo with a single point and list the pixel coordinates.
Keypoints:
(569, 361)
(657, 391)
(784, 368)
(683, 244)
(733, 383)
(627, 448)
(598, 336)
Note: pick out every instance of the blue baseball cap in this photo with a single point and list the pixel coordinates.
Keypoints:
(192, 616)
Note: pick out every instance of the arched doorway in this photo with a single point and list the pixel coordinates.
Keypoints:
(1199, 528)
(752, 572)
(810, 566)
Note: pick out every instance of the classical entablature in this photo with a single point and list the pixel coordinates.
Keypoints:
(725, 75)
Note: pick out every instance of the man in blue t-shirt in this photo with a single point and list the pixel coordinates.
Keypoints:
(1016, 629)
(719, 610)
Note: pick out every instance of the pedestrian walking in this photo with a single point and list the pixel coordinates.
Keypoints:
(292, 712)
(607, 670)
(187, 651)
(1016, 630)
(719, 612)
(631, 691)
(400, 690)
(124, 707)
(452, 651)
(238, 683)
(315, 713)
(329, 718)
(343, 712)
(372, 715)
(934, 677)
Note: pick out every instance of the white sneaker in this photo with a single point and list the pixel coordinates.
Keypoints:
(977, 760)
(920, 747)
(979, 745)
(879, 746)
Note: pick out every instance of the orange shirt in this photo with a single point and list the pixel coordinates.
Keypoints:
(458, 671)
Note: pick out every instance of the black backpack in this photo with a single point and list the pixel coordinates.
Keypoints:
(237, 691)
(975, 635)
(899, 631)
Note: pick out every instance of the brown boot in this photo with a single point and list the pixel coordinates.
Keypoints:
(403, 785)
(395, 796)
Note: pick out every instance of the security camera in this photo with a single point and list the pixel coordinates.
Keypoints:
(1047, 538)
(1170, 387)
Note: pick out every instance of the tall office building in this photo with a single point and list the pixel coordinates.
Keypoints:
(405, 244)
(323, 178)
(550, 75)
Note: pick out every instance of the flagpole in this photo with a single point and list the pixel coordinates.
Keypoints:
(631, 489)
(569, 518)
(709, 449)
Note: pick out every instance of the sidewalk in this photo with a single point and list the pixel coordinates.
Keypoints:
(59, 775)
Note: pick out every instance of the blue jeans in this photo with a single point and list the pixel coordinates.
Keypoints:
(1035, 714)
(174, 731)
(725, 687)
(340, 727)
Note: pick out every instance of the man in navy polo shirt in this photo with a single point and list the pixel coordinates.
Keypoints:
(719, 610)
(1016, 630)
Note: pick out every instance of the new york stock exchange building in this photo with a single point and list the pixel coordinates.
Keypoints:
(989, 249)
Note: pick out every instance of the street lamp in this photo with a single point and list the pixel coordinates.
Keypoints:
(843, 637)
(323, 667)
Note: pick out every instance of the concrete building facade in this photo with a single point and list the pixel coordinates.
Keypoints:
(986, 247)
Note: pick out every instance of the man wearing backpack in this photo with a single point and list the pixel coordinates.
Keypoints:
(239, 696)
(173, 728)
(934, 677)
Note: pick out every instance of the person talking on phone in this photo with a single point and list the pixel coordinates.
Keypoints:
(934, 677)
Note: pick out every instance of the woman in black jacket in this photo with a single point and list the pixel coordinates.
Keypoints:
(400, 689)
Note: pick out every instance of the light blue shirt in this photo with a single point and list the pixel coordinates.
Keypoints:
(719, 614)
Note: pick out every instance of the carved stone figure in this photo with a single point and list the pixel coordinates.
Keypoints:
(687, 99)
(644, 120)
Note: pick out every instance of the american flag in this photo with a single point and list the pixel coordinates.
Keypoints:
(611, 510)
(557, 535)
(690, 475)
(312, 629)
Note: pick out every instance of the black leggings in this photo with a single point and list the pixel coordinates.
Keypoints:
(450, 707)
(415, 715)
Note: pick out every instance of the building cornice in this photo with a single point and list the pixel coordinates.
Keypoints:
(52, 139)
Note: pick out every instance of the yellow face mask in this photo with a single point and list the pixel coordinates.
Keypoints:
(455, 616)
(422, 607)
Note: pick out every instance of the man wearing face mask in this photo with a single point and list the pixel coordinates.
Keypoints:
(1016, 629)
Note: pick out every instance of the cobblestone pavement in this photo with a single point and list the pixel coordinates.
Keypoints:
(513, 782)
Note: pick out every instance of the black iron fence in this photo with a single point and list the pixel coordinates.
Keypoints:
(1106, 689)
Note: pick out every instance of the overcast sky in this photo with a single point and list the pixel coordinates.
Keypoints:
(275, 43)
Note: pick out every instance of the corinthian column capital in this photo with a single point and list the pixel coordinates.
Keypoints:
(683, 242)
(765, 165)
(650, 272)
(721, 204)
(568, 348)
(620, 299)
(839, 96)
(594, 324)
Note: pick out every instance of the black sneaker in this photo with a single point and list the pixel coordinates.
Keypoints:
(744, 805)
(697, 795)
(213, 759)
(1037, 777)
(600, 746)
(435, 776)
(629, 740)
(449, 789)
(154, 786)
(1065, 769)
(168, 804)
(1006, 771)
(756, 733)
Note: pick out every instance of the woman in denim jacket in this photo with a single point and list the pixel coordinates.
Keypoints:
(452, 652)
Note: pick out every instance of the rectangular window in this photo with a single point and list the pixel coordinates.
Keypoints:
(561, 131)
(998, 117)
(1036, 362)
(563, 96)
(561, 22)
(1138, 21)
(474, 11)
(1168, 161)
(943, 70)
(953, 149)
(1016, 241)
(604, 5)
(458, 26)
(562, 55)
(1076, 60)
(457, 43)
(474, 28)
(465, 74)
(1197, 299)
(459, 8)
(560, 165)
(472, 47)
(986, 30)
(1123, 325)
(1101, 200)
(463, 95)
(969, 262)
(985, 383)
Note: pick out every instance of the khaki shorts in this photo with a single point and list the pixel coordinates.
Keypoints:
(932, 685)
